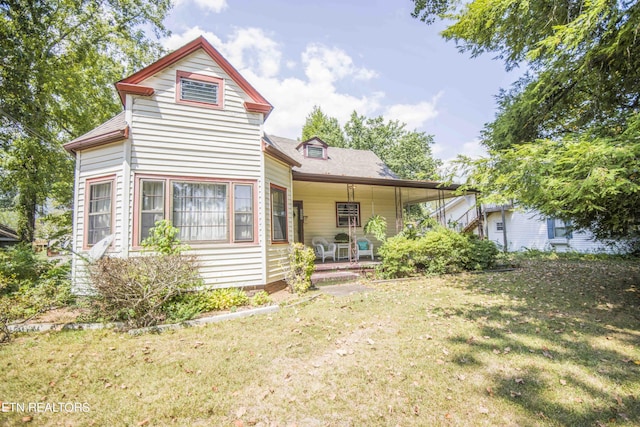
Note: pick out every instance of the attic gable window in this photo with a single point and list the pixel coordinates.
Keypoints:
(199, 90)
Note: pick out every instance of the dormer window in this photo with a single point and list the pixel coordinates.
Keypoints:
(199, 90)
(315, 152)
(314, 148)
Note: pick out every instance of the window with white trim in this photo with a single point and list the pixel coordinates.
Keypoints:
(500, 226)
(99, 214)
(347, 212)
(202, 210)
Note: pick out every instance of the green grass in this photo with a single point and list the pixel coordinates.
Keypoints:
(552, 343)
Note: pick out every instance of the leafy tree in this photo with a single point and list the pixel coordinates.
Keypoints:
(324, 127)
(566, 137)
(59, 61)
(407, 153)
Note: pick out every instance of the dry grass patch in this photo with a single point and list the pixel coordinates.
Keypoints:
(554, 343)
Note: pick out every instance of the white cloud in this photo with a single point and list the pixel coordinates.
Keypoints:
(258, 57)
(215, 6)
(474, 149)
(414, 115)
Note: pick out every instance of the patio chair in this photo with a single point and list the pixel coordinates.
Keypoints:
(364, 247)
(323, 249)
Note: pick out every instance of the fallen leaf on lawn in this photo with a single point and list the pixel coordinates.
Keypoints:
(496, 351)
(144, 422)
(483, 410)
(461, 377)
(27, 419)
(447, 416)
(519, 381)
(578, 399)
(341, 352)
(547, 354)
(623, 416)
(563, 382)
(107, 385)
(241, 411)
(416, 410)
(507, 350)
(198, 344)
(490, 391)
(619, 400)
(370, 341)
(445, 351)
(515, 393)
(238, 423)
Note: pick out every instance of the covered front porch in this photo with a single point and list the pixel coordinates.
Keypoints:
(328, 206)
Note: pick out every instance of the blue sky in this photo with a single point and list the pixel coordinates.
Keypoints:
(370, 56)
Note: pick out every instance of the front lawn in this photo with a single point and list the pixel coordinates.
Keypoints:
(552, 343)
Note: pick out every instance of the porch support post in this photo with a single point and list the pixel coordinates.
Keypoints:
(399, 209)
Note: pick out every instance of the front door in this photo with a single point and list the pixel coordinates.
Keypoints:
(298, 221)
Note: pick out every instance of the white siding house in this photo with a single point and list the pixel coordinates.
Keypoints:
(189, 147)
(523, 229)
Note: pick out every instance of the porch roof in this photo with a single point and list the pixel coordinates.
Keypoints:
(362, 167)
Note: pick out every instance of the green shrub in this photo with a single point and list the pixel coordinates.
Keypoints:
(438, 251)
(483, 254)
(341, 238)
(163, 239)
(185, 306)
(301, 266)
(260, 298)
(224, 299)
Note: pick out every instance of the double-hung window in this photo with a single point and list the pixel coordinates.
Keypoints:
(202, 210)
(99, 212)
(347, 213)
(558, 229)
(279, 228)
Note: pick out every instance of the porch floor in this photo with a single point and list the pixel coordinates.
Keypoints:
(342, 270)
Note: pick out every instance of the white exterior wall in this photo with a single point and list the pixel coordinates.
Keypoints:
(279, 174)
(528, 230)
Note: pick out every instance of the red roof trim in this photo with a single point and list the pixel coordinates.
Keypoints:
(189, 48)
(94, 141)
(314, 139)
(135, 89)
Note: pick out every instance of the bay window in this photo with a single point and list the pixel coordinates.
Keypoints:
(203, 210)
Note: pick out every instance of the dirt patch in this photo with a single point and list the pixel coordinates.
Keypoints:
(60, 315)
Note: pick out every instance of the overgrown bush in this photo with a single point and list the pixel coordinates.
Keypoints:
(135, 290)
(138, 290)
(483, 254)
(438, 251)
(30, 285)
(301, 266)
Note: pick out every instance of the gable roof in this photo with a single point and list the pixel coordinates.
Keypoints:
(131, 84)
(113, 130)
(340, 161)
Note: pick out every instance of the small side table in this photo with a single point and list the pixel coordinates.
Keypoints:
(342, 247)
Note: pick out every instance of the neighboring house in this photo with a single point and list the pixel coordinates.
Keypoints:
(190, 147)
(8, 236)
(519, 229)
